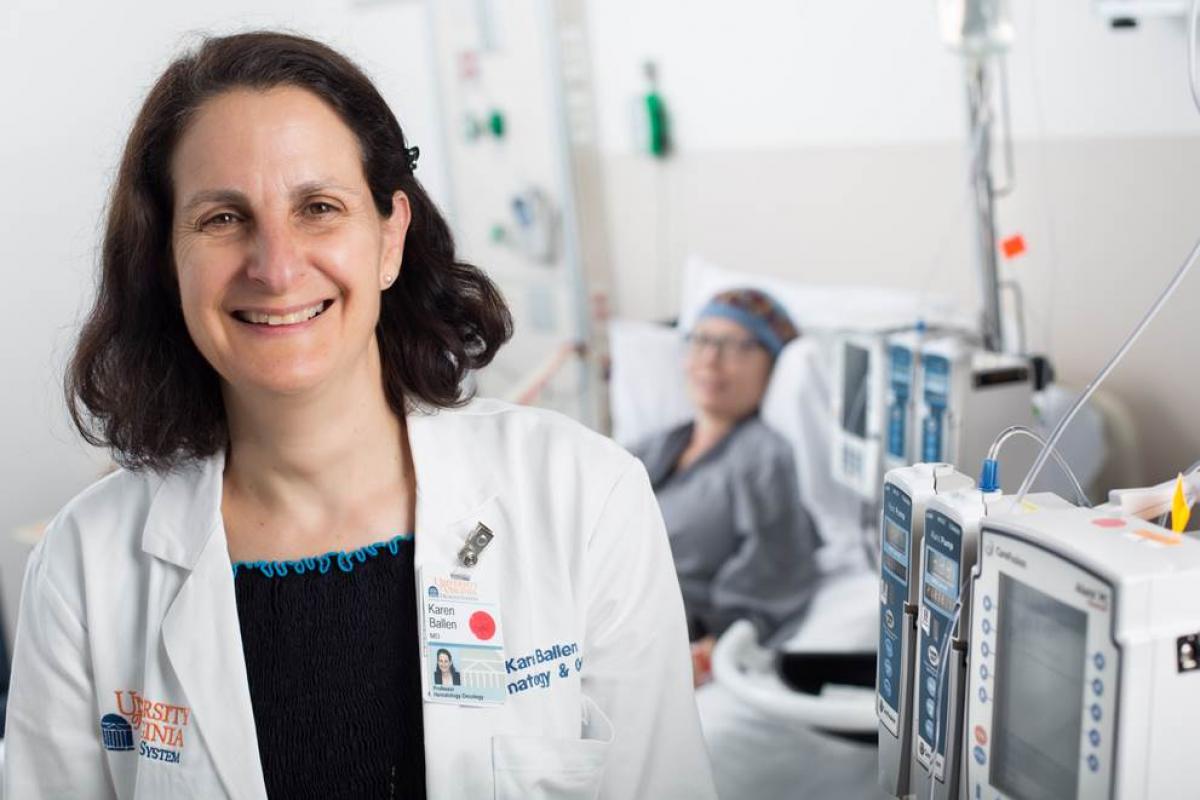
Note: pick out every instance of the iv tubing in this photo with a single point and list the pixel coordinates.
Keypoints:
(1013, 430)
(1056, 434)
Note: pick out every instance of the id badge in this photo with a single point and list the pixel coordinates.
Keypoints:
(461, 640)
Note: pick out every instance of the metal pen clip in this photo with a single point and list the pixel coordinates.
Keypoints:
(478, 539)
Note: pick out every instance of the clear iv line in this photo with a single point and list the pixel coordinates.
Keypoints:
(1012, 430)
(1056, 434)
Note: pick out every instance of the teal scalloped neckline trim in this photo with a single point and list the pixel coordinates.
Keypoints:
(344, 559)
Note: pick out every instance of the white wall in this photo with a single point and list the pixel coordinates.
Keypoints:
(781, 74)
(75, 74)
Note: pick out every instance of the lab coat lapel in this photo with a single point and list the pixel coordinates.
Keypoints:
(453, 494)
(201, 635)
(448, 506)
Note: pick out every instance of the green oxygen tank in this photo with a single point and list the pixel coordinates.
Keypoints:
(657, 140)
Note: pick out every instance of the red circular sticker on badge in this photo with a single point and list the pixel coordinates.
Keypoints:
(482, 625)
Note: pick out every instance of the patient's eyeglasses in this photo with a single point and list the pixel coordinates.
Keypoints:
(723, 345)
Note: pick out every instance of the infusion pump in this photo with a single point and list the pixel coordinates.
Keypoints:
(1084, 678)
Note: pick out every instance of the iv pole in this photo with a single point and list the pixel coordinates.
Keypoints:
(980, 30)
(983, 192)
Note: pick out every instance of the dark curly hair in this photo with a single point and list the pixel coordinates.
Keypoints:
(138, 385)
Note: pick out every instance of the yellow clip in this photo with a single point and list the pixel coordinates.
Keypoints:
(1181, 510)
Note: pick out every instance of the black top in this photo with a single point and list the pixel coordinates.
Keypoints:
(332, 655)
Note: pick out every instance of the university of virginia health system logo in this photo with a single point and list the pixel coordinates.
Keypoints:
(160, 727)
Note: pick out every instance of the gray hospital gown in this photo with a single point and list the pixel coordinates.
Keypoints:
(743, 543)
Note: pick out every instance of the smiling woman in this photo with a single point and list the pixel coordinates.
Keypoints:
(241, 163)
(276, 355)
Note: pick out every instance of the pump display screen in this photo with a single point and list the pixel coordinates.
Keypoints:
(895, 535)
(942, 566)
(854, 390)
(1040, 658)
(937, 379)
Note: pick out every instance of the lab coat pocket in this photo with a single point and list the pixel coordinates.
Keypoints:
(542, 767)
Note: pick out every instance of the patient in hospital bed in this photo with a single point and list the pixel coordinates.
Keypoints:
(742, 541)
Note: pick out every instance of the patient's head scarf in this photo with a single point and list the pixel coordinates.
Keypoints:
(758, 313)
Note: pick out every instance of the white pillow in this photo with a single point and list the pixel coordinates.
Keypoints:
(822, 308)
(646, 388)
(797, 404)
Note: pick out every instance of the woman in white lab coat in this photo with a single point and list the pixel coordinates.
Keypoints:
(309, 510)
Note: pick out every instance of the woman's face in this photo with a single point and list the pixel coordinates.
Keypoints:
(279, 250)
(443, 662)
(727, 370)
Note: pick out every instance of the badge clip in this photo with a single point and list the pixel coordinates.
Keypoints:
(479, 539)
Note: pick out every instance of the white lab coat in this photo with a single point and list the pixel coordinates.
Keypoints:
(131, 590)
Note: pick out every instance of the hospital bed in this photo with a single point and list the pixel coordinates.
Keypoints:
(750, 712)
